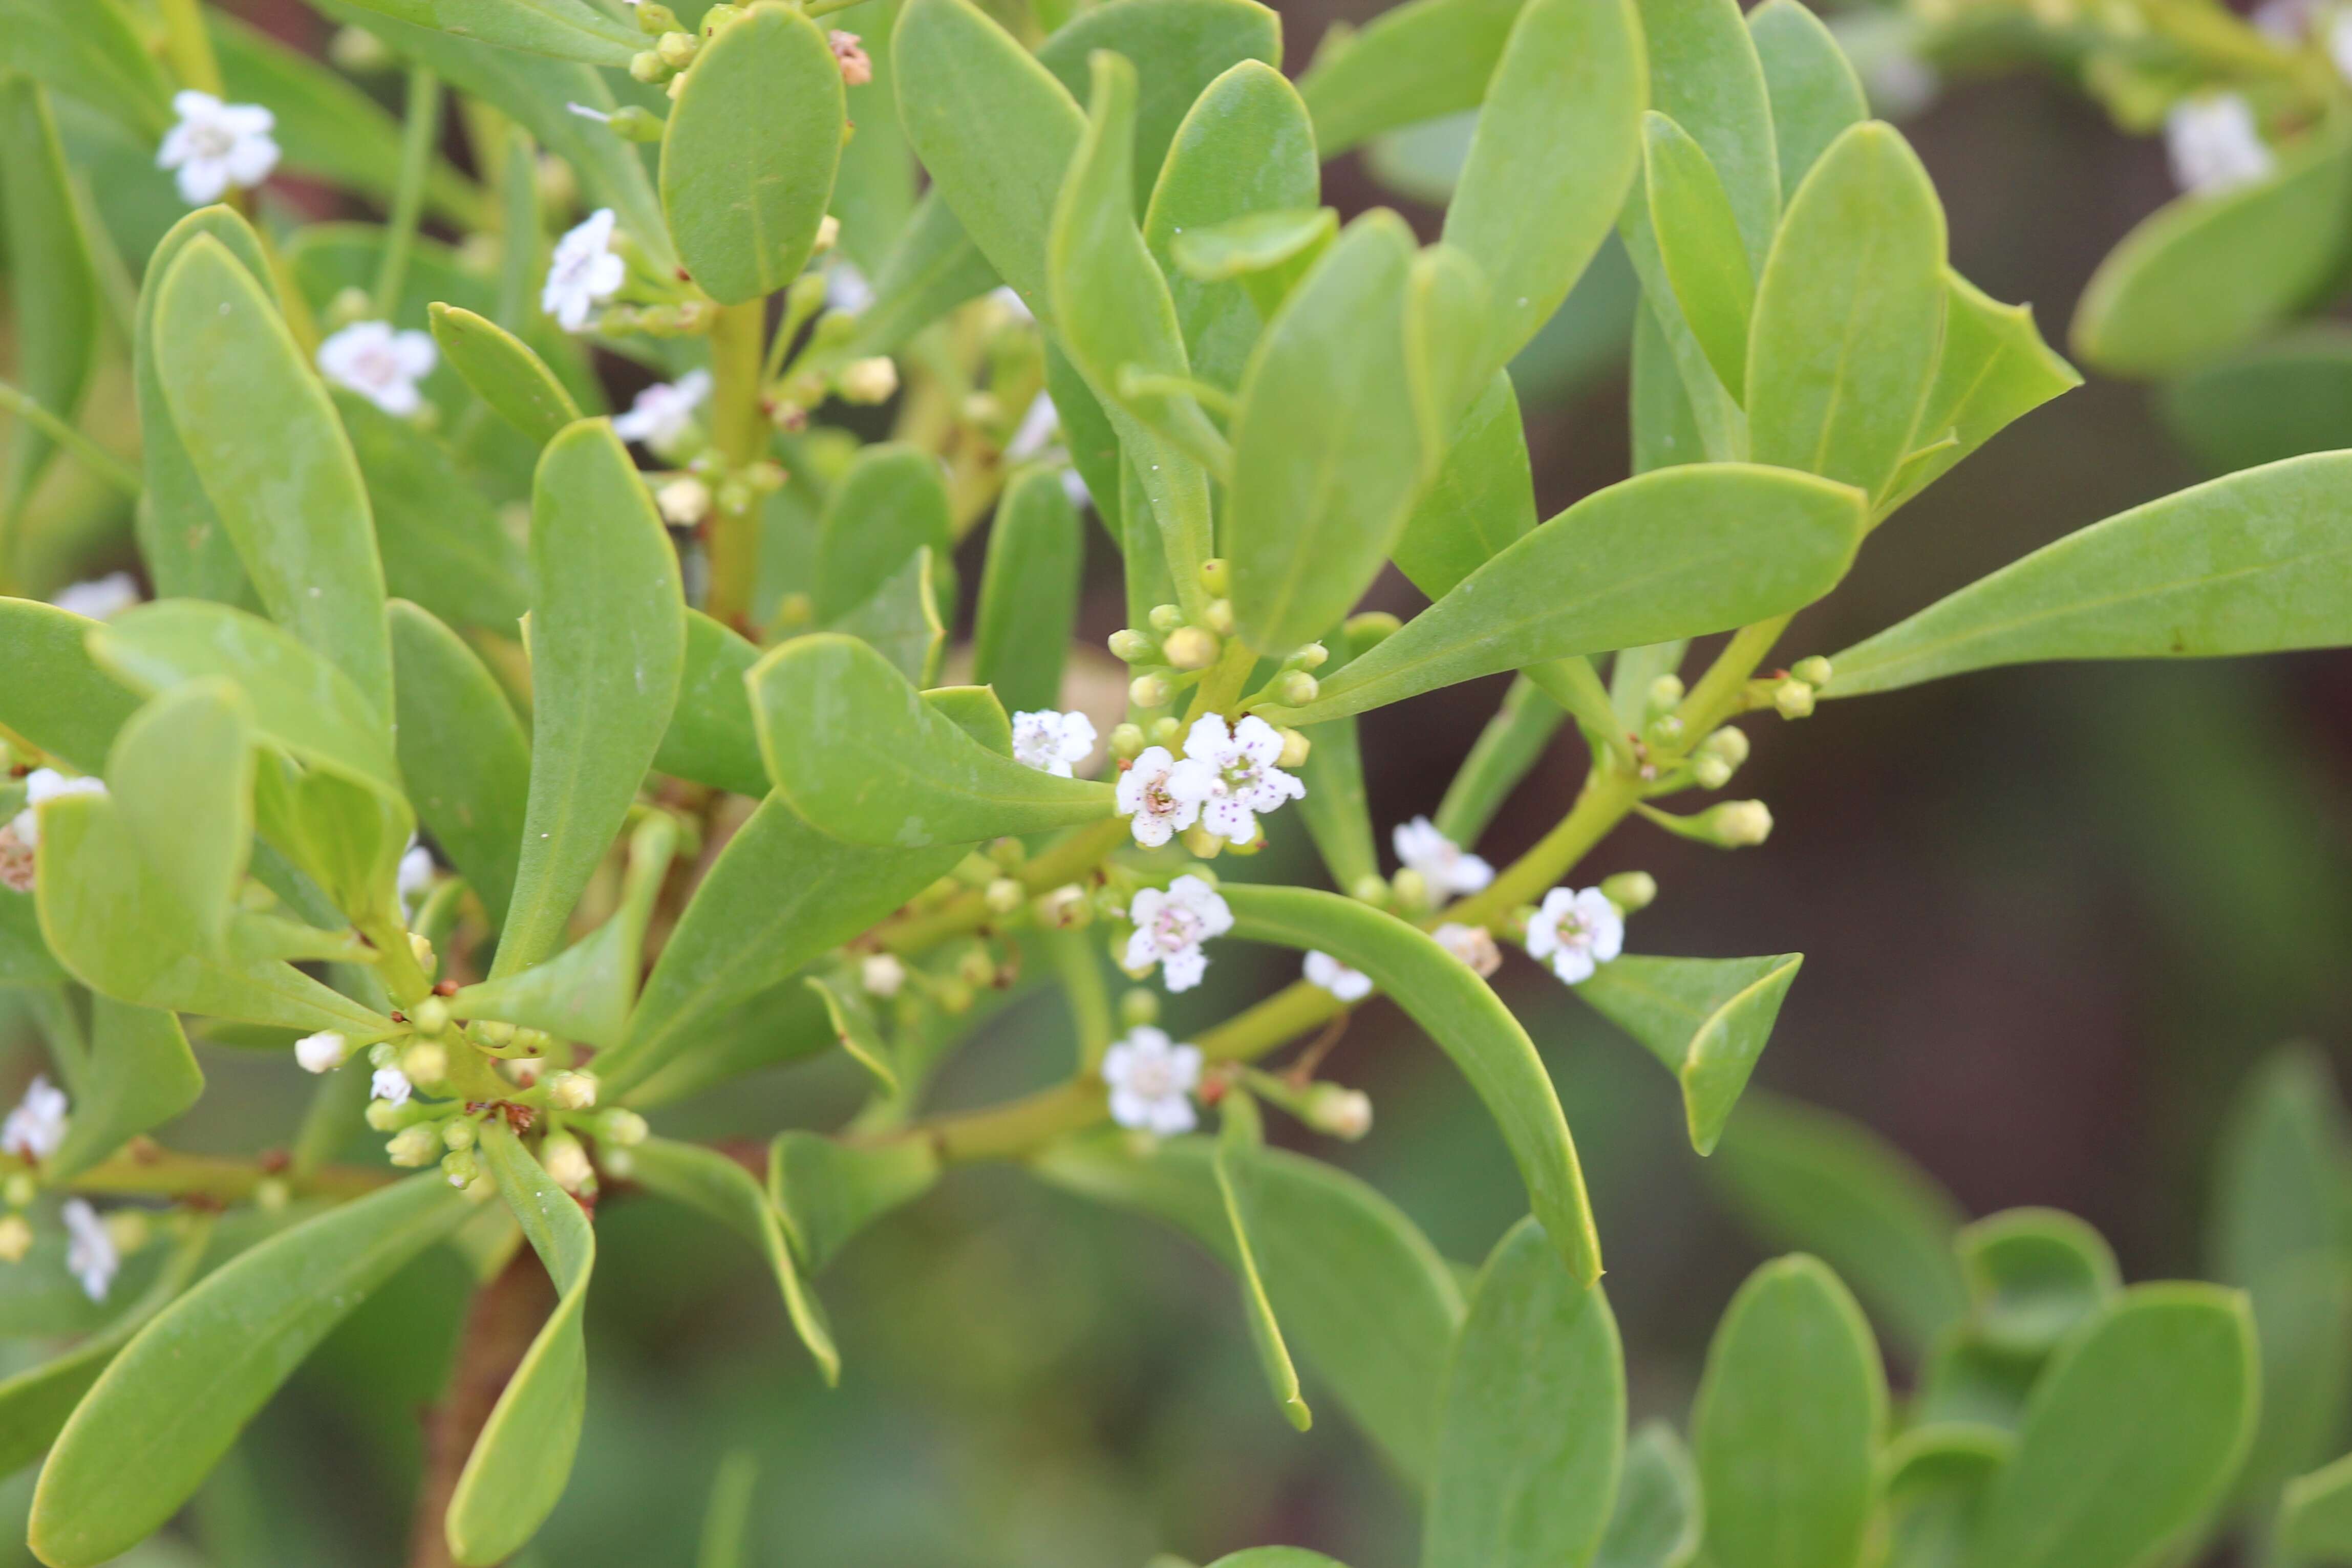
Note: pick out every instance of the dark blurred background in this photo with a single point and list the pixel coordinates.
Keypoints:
(2050, 917)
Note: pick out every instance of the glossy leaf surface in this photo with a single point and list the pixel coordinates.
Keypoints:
(1706, 1018)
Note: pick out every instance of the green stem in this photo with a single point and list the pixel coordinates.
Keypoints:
(94, 457)
(1012, 1130)
(1221, 690)
(1064, 861)
(146, 1170)
(740, 429)
(1073, 953)
(419, 138)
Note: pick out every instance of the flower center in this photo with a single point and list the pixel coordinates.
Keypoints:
(1173, 930)
(209, 140)
(1151, 1079)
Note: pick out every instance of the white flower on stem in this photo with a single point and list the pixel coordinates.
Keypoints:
(1473, 945)
(379, 364)
(583, 272)
(321, 1053)
(415, 878)
(390, 1083)
(1575, 932)
(1162, 794)
(1151, 1079)
(1448, 869)
(36, 1126)
(1052, 742)
(2214, 144)
(1348, 985)
(1171, 927)
(90, 1256)
(846, 289)
(1036, 428)
(1245, 780)
(663, 414)
(46, 784)
(217, 145)
(101, 597)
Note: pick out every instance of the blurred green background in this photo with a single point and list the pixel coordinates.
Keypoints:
(2050, 918)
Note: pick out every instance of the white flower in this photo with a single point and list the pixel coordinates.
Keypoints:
(1171, 927)
(1037, 427)
(321, 1053)
(1052, 742)
(663, 414)
(46, 784)
(1578, 932)
(2214, 144)
(101, 598)
(1245, 780)
(1348, 985)
(90, 1250)
(1473, 945)
(567, 1163)
(379, 364)
(38, 1125)
(1162, 795)
(1443, 864)
(389, 1083)
(882, 974)
(846, 289)
(216, 145)
(1151, 1080)
(583, 271)
(415, 878)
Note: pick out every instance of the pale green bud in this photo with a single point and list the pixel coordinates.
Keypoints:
(656, 19)
(1313, 656)
(1411, 888)
(1731, 745)
(16, 1238)
(1794, 698)
(677, 49)
(719, 17)
(1167, 731)
(1737, 824)
(567, 1162)
(1126, 742)
(1009, 852)
(460, 1166)
(1219, 617)
(414, 1146)
(1192, 647)
(622, 1127)
(1165, 618)
(572, 1091)
(632, 124)
(1340, 1112)
(975, 968)
(1137, 1007)
(1129, 646)
(457, 1133)
(1065, 908)
(20, 1189)
(1296, 689)
(424, 1062)
(1631, 890)
(1710, 772)
(385, 1116)
(1295, 749)
(1216, 576)
(1149, 691)
(358, 51)
(1665, 693)
(1373, 626)
(271, 1195)
(431, 1017)
(1370, 889)
(1813, 672)
(646, 67)
(1005, 895)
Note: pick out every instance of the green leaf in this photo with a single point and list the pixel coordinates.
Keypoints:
(1241, 1146)
(1454, 1006)
(182, 775)
(1674, 553)
(1508, 749)
(892, 501)
(1806, 1179)
(2207, 274)
(113, 926)
(1848, 314)
(2033, 1275)
(52, 279)
(854, 749)
(749, 154)
(708, 1180)
(2283, 1174)
(1706, 75)
(2132, 1433)
(1936, 1474)
(56, 696)
(2302, 1321)
(1368, 1302)
(933, 267)
(1029, 592)
(827, 1191)
(463, 752)
(1699, 243)
(874, 195)
(1814, 92)
(1994, 370)
(1656, 1521)
(1705, 1019)
(2283, 397)
(1327, 452)
(1267, 251)
(504, 373)
(264, 439)
(853, 1026)
(24, 959)
(521, 1460)
(1276, 1557)
(1410, 63)
(1964, 1380)
(1787, 1422)
(565, 29)
(93, 53)
(1558, 145)
(139, 1075)
(170, 1406)
(1533, 1433)
(779, 896)
(710, 739)
(784, 1023)
(1666, 424)
(2251, 563)
(1338, 814)
(2315, 1520)
(608, 647)
(905, 620)
(443, 543)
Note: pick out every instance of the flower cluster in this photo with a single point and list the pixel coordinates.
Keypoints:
(1225, 778)
(1052, 742)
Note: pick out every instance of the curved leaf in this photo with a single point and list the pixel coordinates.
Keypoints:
(2287, 395)
(1706, 1018)
(1241, 1144)
(890, 502)
(2315, 1520)
(53, 280)
(1699, 245)
(463, 752)
(1411, 62)
(182, 777)
(140, 1075)
(56, 696)
(444, 545)
(1705, 73)
(93, 53)
(1814, 92)
(851, 1016)
(1029, 592)
(711, 740)
(503, 372)
(1994, 369)
(1656, 1521)
(2033, 1276)
(1937, 1473)
(826, 1191)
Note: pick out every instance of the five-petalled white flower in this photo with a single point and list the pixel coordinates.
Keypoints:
(46, 784)
(379, 364)
(1151, 1079)
(1052, 742)
(2214, 144)
(1244, 779)
(1162, 794)
(389, 1083)
(1171, 927)
(1348, 985)
(1444, 865)
(90, 1256)
(101, 597)
(662, 416)
(321, 1053)
(36, 1126)
(1473, 945)
(216, 145)
(583, 272)
(1575, 932)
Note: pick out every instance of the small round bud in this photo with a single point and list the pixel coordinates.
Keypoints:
(982, 408)
(16, 1238)
(1126, 742)
(431, 1017)
(1710, 772)
(1313, 656)
(461, 1167)
(622, 1127)
(656, 19)
(1737, 824)
(567, 1162)
(321, 1053)
(572, 1091)
(1372, 626)
(1149, 691)
(1219, 617)
(413, 1147)
(1005, 895)
(424, 1062)
(676, 50)
(421, 950)
(828, 232)
(976, 870)
(358, 51)
(1666, 729)
(127, 1228)
(1065, 908)
(20, 1189)
(1794, 698)
(683, 501)
(458, 1133)
(975, 968)
(1813, 672)
(870, 380)
(1129, 646)
(349, 305)
(1295, 749)
(1166, 618)
(1370, 889)
(494, 1032)
(1338, 1112)
(882, 974)
(271, 1195)
(1297, 689)
(1137, 1007)
(719, 18)
(385, 1116)
(1731, 745)
(382, 1053)
(1009, 852)
(1216, 576)
(1631, 890)
(1203, 843)
(953, 995)
(1192, 647)
(1411, 888)
(1166, 731)
(632, 124)
(1664, 693)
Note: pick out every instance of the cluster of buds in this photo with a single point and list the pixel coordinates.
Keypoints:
(674, 49)
(1170, 652)
(1795, 694)
(1718, 758)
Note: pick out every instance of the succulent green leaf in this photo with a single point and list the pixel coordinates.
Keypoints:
(1706, 1018)
(563, 29)
(140, 1075)
(875, 193)
(1656, 1521)
(24, 959)
(2302, 1321)
(2132, 1433)
(1936, 1474)
(442, 544)
(1412, 62)
(784, 1023)
(2315, 1520)
(1706, 75)
(1508, 749)
(608, 647)
(1787, 1421)
(710, 739)
(1029, 592)
(1674, 553)
(2283, 1177)
(827, 1191)
(1994, 370)
(934, 267)
(1813, 87)
(1699, 243)
(52, 278)
(890, 503)
(1276, 1557)
(2285, 396)
(2033, 1276)
(182, 775)
(1533, 1434)
(854, 1027)
(462, 753)
(93, 53)
(504, 373)
(2254, 562)
(1481, 500)
(749, 154)
(905, 620)
(57, 696)
(169, 1406)
(1338, 814)
(1463, 1016)
(1241, 1146)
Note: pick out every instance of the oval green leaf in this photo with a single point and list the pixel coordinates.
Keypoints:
(57, 696)
(1706, 1018)
(1813, 90)
(462, 753)
(504, 373)
(1029, 592)
(443, 543)
(181, 778)
(1699, 243)
(710, 739)
(2035, 1275)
